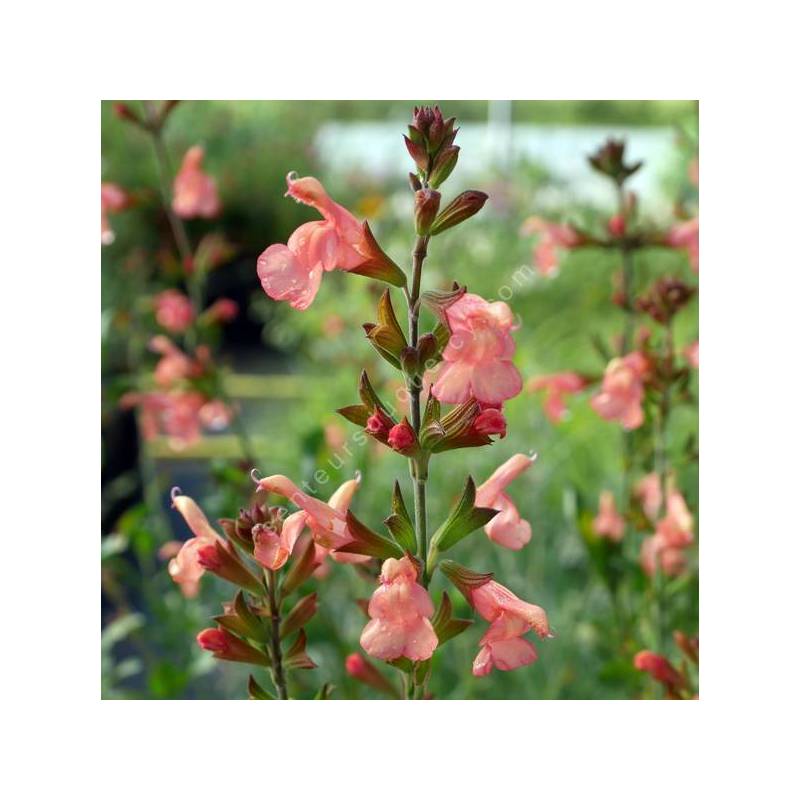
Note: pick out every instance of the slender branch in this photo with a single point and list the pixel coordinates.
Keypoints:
(278, 675)
(419, 470)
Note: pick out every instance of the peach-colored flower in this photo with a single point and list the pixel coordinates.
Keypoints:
(502, 645)
(609, 522)
(174, 365)
(648, 492)
(215, 415)
(686, 236)
(185, 569)
(273, 549)
(477, 359)
(400, 610)
(194, 193)
(327, 521)
(553, 238)
(174, 310)
(692, 353)
(622, 393)
(490, 422)
(665, 549)
(113, 199)
(556, 387)
(507, 528)
(293, 271)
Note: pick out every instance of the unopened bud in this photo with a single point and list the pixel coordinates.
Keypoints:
(427, 347)
(616, 226)
(418, 153)
(414, 182)
(402, 437)
(426, 207)
(226, 646)
(362, 670)
(443, 165)
(490, 422)
(466, 205)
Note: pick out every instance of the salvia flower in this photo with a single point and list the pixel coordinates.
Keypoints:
(659, 668)
(362, 670)
(293, 271)
(194, 193)
(113, 199)
(686, 236)
(620, 398)
(477, 359)
(272, 547)
(400, 610)
(490, 422)
(648, 492)
(553, 239)
(174, 310)
(185, 569)
(556, 387)
(507, 528)
(692, 354)
(502, 646)
(609, 523)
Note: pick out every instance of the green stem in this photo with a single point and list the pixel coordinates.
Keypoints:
(278, 675)
(418, 467)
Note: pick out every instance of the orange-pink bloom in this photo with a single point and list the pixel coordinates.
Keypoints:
(648, 492)
(400, 610)
(659, 668)
(507, 528)
(185, 569)
(194, 193)
(686, 236)
(556, 387)
(609, 522)
(113, 199)
(665, 549)
(553, 239)
(620, 398)
(327, 521)
(272, 549)
(477, 359)
(502, 646)
(293, 271)
(174, 310)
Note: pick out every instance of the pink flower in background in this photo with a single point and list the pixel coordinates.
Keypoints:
(185, 568)
(609, 522)
(686, 236)
(502, 646)
(507, 528)
(692, 353)
(553, 238)
(677, 526)
(620, 398)
(477, 359)
(400, 611)
(194, 193)
(174, 310)
(648, 492)
(174, 365)
(113, 199)
(665, 549)
(693, 172)
(555, 388)
(293, 271)
(659, 668)
(222, 310)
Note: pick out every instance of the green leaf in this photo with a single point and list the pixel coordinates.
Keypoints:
(358, 415)
(296, 656)
(256, 692)
(464, 518)
(399, 523)
(445, 625)
(367, 542)
(325, 692)
(303, 611)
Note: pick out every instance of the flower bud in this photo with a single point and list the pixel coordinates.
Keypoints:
(402, 438)
(443, 165)
(427, 348)
(363, 670)
(466, 205)
(616, 226)
(426, 207)
(228, 647)
(221, 559)
(378, 424)
(610, 161)
(659, 668)
(418, 153)
(414, 182)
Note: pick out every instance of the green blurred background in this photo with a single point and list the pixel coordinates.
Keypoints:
(289, 370)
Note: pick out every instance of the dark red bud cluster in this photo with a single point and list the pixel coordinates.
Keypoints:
(430, 143)
(610, 161)
(664, 299)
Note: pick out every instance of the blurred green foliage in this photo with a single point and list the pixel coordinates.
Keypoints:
(148, 645)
